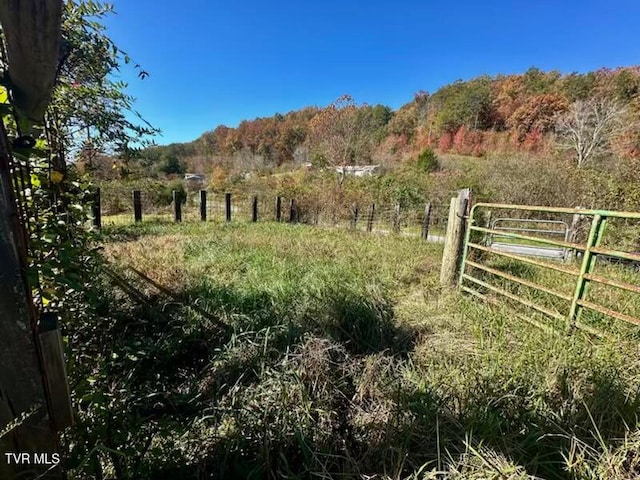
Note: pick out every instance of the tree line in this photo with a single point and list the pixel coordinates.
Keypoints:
(506, 113)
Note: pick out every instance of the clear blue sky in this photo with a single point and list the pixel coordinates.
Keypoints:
(219, 62)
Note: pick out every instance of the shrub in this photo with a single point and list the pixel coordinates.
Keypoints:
(428, 161)
(165, 196)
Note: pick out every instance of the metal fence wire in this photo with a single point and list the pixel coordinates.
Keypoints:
(117, 209)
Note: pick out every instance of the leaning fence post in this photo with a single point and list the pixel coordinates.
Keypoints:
(292, 210)
(278, 208)
(426, 221)
(203, 205)
(227, 206)
(177, 206)
(137, 206)
(396, 219)
(95, 209)
(372, 212)
(454, 239)
(254, 209)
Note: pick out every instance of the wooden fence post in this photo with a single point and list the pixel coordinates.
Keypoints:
(396, 219)
(573, 234)
(137, 206)
(354, 216)
(203, 205)
(372, 212)
(426, 221)
(454, 240)
(22, 388)
(254, 209)
(292, 210)
(54, 367)
(488, 239)
(95, 209)
(278, 208)
(177, 206)
(227, 206)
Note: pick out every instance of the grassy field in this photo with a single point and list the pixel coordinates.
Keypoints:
(286, 351)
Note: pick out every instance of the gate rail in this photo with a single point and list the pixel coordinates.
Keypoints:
(584, 275)
(549, 252)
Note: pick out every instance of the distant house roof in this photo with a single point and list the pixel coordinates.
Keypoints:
(357, 170)
(194, 177)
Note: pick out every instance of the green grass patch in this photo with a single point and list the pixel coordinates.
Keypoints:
(338, 356)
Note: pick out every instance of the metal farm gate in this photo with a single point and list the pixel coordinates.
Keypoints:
(574, 258)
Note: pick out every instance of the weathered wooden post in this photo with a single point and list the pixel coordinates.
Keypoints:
(254, 209)
(177, 206)
(137, 206)
(53, 363)
(354, 216)
(372, 212)
(203, 205)
(426, 221)
(95, 209)
(454, 240)
(488, 239)
(22, 390)
(572, 235)
(227, 206)
(278, 208)
(292, 210)
(32, 42)
(396, 219)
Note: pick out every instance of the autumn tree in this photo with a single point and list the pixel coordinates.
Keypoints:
(465, 103)
(538, 113)
(589, 126)
(343, 132)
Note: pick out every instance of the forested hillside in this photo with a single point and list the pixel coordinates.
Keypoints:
(485, 115)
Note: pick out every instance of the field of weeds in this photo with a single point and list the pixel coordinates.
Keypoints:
(279, 351)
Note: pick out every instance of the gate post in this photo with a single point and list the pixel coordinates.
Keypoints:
(454, 240)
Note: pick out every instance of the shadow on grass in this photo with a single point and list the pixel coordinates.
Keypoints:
(308, 385)
(145, 372)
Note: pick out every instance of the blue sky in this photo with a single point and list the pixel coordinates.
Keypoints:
(219, 62)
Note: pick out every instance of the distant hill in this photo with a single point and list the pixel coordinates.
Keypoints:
(475, 117)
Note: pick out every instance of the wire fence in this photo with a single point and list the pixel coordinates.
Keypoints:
(117, 207)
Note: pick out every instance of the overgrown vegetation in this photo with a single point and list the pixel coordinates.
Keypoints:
(485, 116)
(271, 350)
(290, 351)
